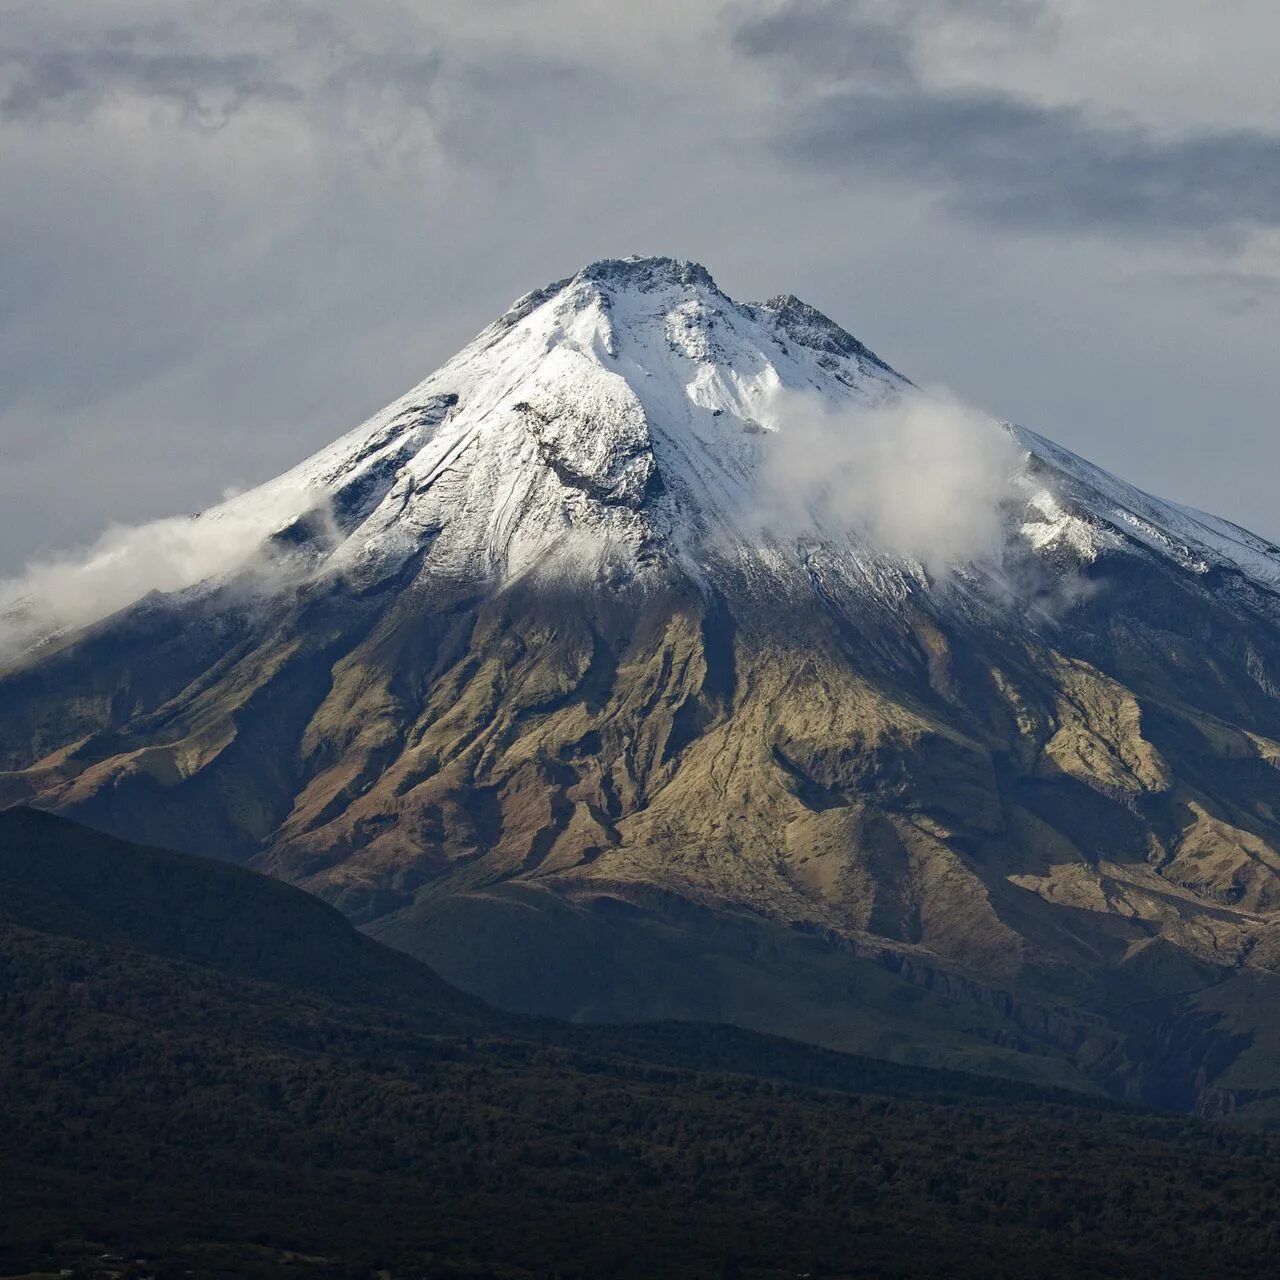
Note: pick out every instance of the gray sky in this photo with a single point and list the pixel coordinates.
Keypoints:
(229, 231)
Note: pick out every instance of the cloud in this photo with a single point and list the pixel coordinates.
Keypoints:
(826, 40)
(1000, 157)
(376, 78)
(1048, 169)
(817, 41)
(126, 563)
(38, 83)
(923, 478)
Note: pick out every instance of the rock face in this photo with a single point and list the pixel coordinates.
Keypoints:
(548, 699)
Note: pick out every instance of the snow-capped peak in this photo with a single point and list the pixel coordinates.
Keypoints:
(612, 411)
(621, 410)
(623, 421)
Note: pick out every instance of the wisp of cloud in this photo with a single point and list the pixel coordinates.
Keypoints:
(126, 563)
(923, 477)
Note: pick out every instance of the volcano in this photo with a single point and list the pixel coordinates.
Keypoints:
(593, 673)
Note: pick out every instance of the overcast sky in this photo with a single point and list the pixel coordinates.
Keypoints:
(229, 231)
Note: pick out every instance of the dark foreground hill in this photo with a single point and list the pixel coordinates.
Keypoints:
(215, 1073)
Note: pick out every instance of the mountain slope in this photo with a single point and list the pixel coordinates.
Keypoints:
(215, 1119)
(534, 679)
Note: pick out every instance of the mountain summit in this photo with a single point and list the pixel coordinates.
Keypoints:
(605, 418)
(661, 655)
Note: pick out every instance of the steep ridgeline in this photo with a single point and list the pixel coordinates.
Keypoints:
(537, 687)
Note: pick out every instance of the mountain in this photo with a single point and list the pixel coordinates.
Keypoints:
(611, 672)
(187, 1084)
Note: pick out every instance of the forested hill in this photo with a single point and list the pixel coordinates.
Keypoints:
(213, 1073)
(62, 878)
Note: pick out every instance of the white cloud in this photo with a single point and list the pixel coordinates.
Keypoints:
(924, 477)
(128, 562)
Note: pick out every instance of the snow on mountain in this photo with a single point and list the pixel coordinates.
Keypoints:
(600, 416)
(627, 409)
(626, 420)
(1194, 539)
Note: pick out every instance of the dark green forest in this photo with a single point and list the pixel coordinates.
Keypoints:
(215, 1075)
